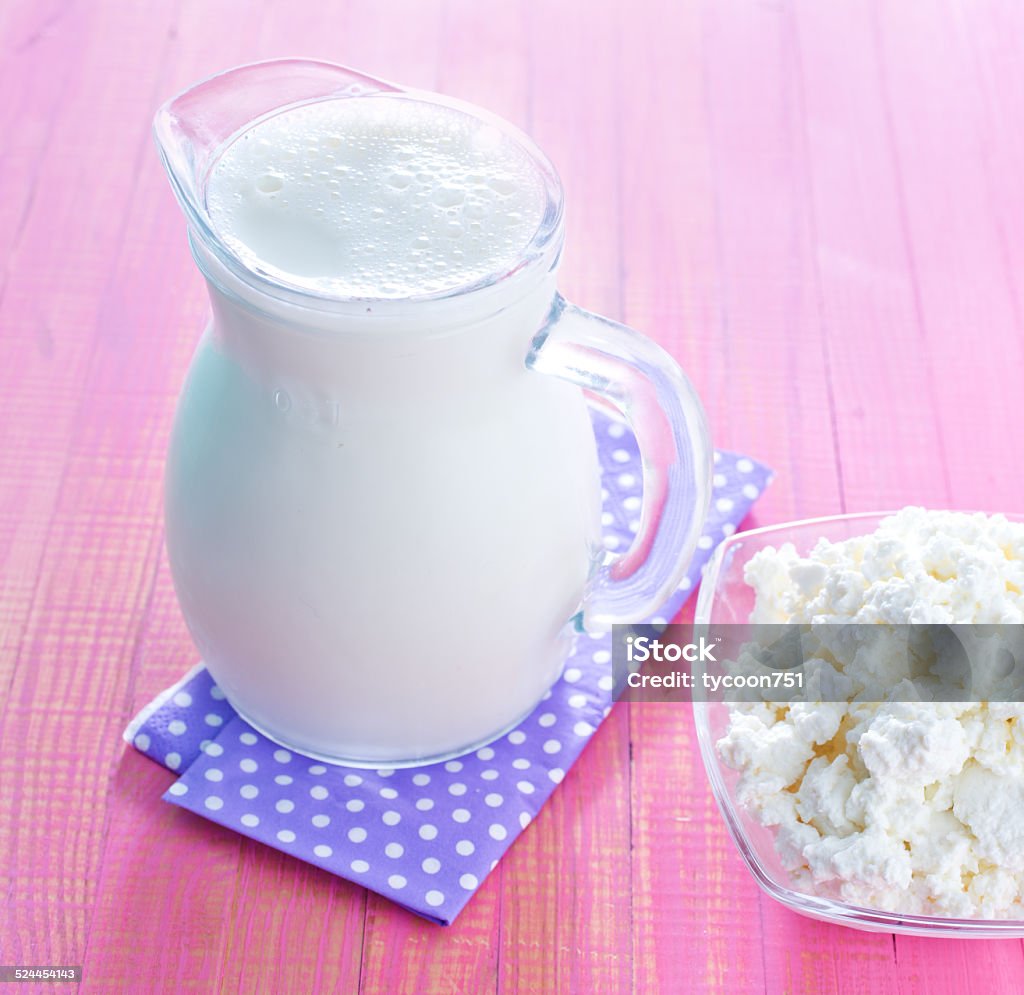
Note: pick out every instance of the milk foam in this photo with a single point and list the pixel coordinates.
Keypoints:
(378, 197)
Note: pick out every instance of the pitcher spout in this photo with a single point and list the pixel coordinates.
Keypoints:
(193, 127)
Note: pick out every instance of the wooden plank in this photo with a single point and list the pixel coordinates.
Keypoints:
(720, 245)
(77, 537)
(566, 918)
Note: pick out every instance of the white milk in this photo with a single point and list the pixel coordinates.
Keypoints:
(379, 521)
(376, 197)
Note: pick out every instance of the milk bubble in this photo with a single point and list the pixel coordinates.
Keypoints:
(378, 196)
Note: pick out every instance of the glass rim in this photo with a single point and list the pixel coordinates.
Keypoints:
(538, 256)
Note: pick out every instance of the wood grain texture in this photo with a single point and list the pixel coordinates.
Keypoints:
(817, 208)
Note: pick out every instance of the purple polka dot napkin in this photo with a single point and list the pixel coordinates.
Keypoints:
(424, 837)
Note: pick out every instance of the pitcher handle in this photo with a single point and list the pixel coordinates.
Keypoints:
(646, 384)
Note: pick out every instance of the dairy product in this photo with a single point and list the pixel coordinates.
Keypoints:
(381, 196)
(379, 521)
(908, 806)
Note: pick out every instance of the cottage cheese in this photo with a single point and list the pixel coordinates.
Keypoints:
(908, 806)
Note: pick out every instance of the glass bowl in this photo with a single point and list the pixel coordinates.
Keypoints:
(726, 598)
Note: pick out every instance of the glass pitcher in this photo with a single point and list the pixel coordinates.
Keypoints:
(383, 515)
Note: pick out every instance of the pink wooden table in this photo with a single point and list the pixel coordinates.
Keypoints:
(818, 207)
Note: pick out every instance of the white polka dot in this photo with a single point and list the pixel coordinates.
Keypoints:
(213, 720)
(744, 465)
(524, 819)
(173, 760)
(610, 542)
(632, 504)
(319, 792)
(464, 848)
(176, 727)
(359, 866)
(213, 774)
(320, 821)
(497, 831)
(394, 850)
(434, 898)
(461, 815)
(454, 766)
(431, 865)
(521, 763)
(216, 693)
(718, 457)
(607, 518)
(204, 744)
(616, 430)
(573, 674)
(352, 780)
(525, 787)
(248, 791)
(425, 804)
(390, 818)
(248, 738)
(724, 504)
(428, 832)
(718, 480)
(250, 820)
(583, 728)
(493, 799)
(634, 525)
(485, 754)
(547, 719)
(517, 737)
(286, 836)
(142, 741)
(357, 834)
(685, 584)
(285, 805)
(705, 542)
(468, 881)
(605, 683)
(602, 656)
(282, 756)
(322, 850)
(621, 456)
(214, 803)
(577, 700)
(396, 881)
(283, 779)
(751, 492)
(182, 699)
(552, 746)
(355, 805)
(489, 775)
(456, 789)
(213, 749)
(178, 788)
(727, 530)
(556, 774)
(388, 793)
(627, 480)
(317, 769)
(420, 780)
